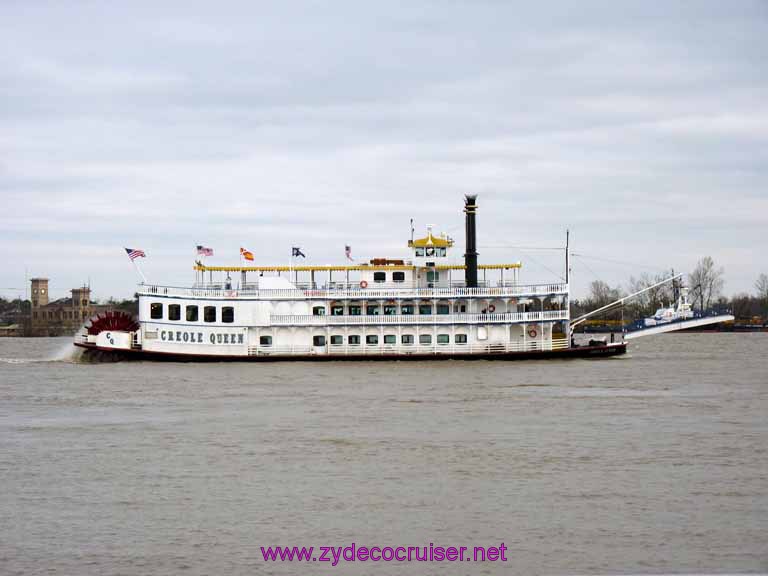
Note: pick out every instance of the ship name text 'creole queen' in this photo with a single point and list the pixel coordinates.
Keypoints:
(415, 308)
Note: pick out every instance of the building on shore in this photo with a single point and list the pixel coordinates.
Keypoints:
(58, 317)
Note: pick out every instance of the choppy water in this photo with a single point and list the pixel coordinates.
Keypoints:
(654, 462)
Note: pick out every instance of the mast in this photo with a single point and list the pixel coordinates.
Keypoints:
(567, 250)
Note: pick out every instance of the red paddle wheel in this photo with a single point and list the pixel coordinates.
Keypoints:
(115, 321)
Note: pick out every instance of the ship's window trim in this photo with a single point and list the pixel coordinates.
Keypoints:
(265, 340)
(372, 310)
(379, 276)
(372, 339)
(174, 312)
(425, 309)
(425, 338)
(406, 309)
(192, 313)
(390, 310)
(227, 314)
(406, 339)
(355, 310)
(209, 313)
(390, 339)
(353, 340)
(337, 339)
(443, 309)
(398, 276)
(460, 339)
(156, 310)
(318, 340)
(318, 311)
(337, 311)
(443, 339)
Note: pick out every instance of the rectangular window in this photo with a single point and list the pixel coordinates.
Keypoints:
(390, 310)
(372, 339)
(460, 339)
(372, 310)
(398, 276)
(433, 276)
(406, 309)
(156, 311)
(228, 314)
(353, 340)
(209, 313)
(191, 313)
(443, 339)
(318, 340)
(318, 311)
(337, 340)
(425, 339)
(337, 311)
(355, 310)
(174, 312)
(379, 276)
(390, 339)
(443, 309)
(419, 252)
(406, 339)
(425, 309)
(265, 341)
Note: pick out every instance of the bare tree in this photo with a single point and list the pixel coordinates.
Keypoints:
(761, 285)
(648, 302)
(706, 282)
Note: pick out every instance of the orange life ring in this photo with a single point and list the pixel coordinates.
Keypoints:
(491, 308)
(532, 333)
(363, 284)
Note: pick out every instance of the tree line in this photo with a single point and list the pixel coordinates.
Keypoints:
(705, 284)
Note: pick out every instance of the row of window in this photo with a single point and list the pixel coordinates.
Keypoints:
(191, 313)
(382, 276)
(431, 251)
(389, 310)
(373, 339)
(60, 314)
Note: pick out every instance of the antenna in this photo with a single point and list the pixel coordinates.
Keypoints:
(567, 250)
(411, 230)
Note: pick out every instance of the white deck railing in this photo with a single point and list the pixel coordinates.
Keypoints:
(376, 320)
(411, 349)
(372, 292)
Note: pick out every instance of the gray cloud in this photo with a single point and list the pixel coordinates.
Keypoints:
(642, 127)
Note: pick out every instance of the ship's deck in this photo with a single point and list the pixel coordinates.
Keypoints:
(351, 291)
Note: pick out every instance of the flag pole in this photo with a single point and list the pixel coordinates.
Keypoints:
(136, 266)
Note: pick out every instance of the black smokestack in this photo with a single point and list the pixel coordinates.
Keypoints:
(470, 257)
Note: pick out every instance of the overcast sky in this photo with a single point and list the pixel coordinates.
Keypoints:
(160, 125)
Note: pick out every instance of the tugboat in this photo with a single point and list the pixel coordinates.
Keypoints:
(387, 309)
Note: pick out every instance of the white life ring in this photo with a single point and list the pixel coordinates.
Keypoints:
(491, 308)
(532, 332)
(363, 284)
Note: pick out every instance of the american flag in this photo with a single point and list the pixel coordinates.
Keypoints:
(297, 252)
(348, 251)
(134, 253)
(204, 251)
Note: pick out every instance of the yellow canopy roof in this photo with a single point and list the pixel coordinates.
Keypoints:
(430, 240)
(201, 268)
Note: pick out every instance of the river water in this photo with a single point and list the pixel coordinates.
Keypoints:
(653, 462)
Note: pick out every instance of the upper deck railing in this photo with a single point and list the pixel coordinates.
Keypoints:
(351, 292)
